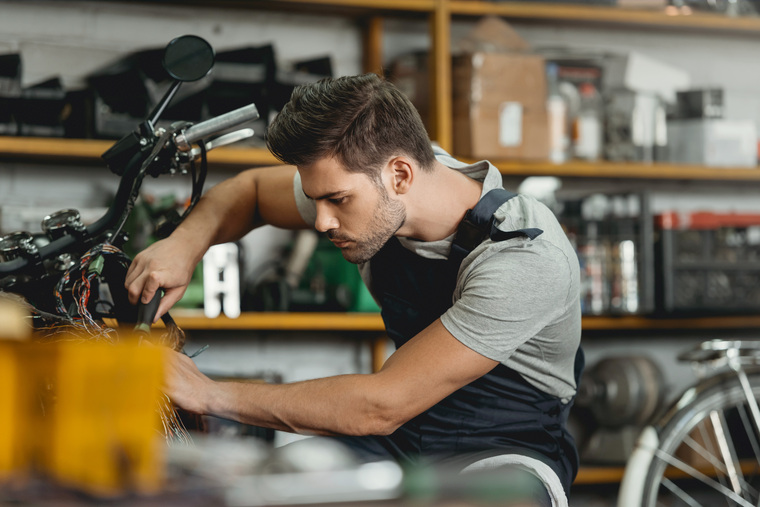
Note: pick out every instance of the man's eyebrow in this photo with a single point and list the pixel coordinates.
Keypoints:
(328, 195)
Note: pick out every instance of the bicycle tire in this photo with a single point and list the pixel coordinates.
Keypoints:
(716, 405)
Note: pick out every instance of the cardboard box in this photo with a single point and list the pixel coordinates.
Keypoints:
(499, 106)
(410, 74)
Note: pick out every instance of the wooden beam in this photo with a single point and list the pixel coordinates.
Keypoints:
(373, 45)
(440, 75)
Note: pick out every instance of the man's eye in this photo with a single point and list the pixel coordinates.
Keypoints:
(338, 200)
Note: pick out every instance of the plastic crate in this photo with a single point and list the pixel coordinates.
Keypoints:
(708, 263)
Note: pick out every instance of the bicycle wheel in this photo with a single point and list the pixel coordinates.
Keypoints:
(709, 447)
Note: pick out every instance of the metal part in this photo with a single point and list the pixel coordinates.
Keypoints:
(232, 137)
(63, 262)
(184, 140)
(14, 245)
(62, 222)
(622, 391)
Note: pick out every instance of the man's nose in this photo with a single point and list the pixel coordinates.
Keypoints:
(325, 220)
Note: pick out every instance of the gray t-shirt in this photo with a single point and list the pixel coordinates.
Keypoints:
(516, 301)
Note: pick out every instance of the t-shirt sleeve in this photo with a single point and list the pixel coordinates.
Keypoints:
(306, 206)
(508, 298)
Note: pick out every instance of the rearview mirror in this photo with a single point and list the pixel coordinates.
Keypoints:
(188, 58)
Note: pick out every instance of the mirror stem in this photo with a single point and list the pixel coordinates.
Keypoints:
(158, 111)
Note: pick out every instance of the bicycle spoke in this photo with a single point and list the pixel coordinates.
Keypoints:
(696, 474)
(752, 435)
(751, 401)
(727, 451)
(708, 453)
(709, 456)
(681, 494)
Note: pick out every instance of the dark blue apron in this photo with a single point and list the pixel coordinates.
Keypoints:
(498, 413)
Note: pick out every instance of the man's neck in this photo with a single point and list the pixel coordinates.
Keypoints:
(439, 202)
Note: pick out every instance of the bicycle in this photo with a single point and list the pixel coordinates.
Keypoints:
(705, 450)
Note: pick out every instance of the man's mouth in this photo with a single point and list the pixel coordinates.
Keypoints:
(340, 243)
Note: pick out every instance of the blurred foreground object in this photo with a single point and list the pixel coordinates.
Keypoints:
(83, 414)
(13, 316)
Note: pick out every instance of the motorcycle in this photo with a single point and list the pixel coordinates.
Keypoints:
(72, 272)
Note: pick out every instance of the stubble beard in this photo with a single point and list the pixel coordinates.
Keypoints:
(390, 216)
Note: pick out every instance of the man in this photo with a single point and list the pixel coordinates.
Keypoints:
(489, 320)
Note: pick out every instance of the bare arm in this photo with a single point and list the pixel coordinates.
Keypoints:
(225, 213)
(424, 371)
(234, 207)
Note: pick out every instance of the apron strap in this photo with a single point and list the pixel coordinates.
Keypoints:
(478, 224)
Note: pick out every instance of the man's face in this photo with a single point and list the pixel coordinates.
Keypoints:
(357, 215)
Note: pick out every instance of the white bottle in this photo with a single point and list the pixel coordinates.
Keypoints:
(587, 138)
(556, 107)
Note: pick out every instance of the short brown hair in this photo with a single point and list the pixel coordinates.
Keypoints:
(360, 120)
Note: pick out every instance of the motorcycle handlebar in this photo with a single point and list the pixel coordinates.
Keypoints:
(185, 139)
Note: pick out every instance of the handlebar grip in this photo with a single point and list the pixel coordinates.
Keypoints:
(146, 312)
(184, 140)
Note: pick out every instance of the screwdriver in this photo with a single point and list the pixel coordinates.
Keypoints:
(146, 312)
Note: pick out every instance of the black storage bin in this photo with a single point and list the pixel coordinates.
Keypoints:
(124, 93)
(10, 91)
(708, 263)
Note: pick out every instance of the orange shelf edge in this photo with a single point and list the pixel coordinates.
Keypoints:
(89, 150)
(349, 321)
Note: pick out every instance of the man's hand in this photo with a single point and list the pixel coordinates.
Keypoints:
(167, 264)
(185, 385)
(225, 213)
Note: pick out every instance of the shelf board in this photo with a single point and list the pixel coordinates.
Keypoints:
(89, 151)
(281, 321)
(626, 170)
(349, 321)
(634, 323)
(381, 5)
(614, 474)
(599, 475)
(346, 8)
(654, 18)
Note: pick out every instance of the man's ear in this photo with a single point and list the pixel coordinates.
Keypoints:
(401, 173)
